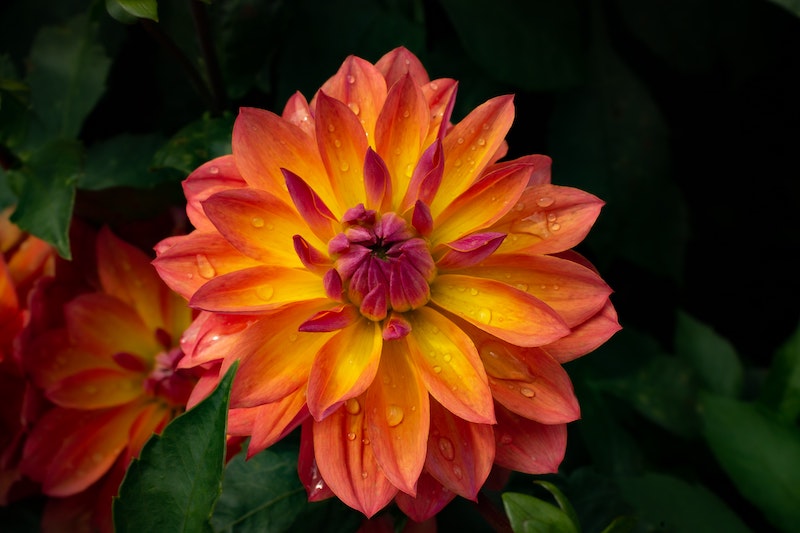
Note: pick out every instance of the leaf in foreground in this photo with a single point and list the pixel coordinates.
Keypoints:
(177, 479)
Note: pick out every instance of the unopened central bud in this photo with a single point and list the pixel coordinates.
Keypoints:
(383, 263)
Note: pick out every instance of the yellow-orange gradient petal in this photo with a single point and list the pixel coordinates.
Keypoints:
(275, 420)
(471, 145)
(497, 308)
(344, 367)
(217, 175)
(460, 453)
(347, 462)
(397, 418)
(449, 365)
(260, 288)
(96, 388)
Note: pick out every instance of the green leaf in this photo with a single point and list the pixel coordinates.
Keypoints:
(176, 480)
(14, 108)
(123, 161)
(47, 193)
(713, 357)
(667, 503)
(781, 390)
(263, 493)
(67, 75)
(532, 515)
(538, 46)
(195, 144)
(561, 500)
(145, 9)
(760, 453)
(793, 6)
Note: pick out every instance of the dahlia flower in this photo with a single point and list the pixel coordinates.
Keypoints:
(102, 346)
(391, 286)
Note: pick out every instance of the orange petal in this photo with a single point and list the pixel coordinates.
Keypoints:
(587, 336)
(126, 273)
(449, 365)
(103, 325)
(259, 225)
(499, 309)
(483, 203)
(212, 177)
(431, 498)
(548, 219)
(297, 112)
(97, 388)
(440, 95)
(346, 460)
(573, 291)
(344, 367)
(360, 86)
(343, 146)
(460, 453)
(528, 381)
(264, 143)
(273, 421)
(256, 289)
(50, 358)
(274, 357)
(528, 446)
(395, 64)
(397, 418)
(470, 146)
(401, 128)
(186, 262)
(211, 337)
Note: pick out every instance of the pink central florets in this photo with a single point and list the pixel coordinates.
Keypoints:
(382, 262)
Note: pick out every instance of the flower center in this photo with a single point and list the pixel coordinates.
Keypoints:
(382, 262)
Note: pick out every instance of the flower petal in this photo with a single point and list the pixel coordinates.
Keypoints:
(377, 182)
(499, 309)
(96, 388)
(184, 270)
(49, 358)
(307, 469)
(273, 421)
(312, 209)
(548, 219)
(297, 112)
(344, 367)
(397, 418)
(347, 462)
(471, 145)
(587, 336)
(260, 288)
(573, 291)
(528, 446)
(441, 97)
(343, 145)
(460, 453)
(401, 128)
(449, 365)
(485, 202)
(431, 498)
(470, 250)
(258, 224)
(217, 175)
(394, 65)
(264, 143)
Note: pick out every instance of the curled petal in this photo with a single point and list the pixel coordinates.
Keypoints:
(217, 175)
(377, 182)
(344, 367)
(548, 219)
(460, 453)
(498, 309)
(396, 327)
(449, 365)
(307, 468)
(397, 418)
(347, 462)
(528, 446)
(587, 336)
(312, 259)
(316, 214)
(470, 250)
(333, 319)
(421, 218)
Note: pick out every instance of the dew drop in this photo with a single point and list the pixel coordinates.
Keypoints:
(344, 166)
(556, 287)
(521, 286)
(409, 170)
(406, 113)
(354, 108)
(337, 143)
(528, 393)
(437, 369)
(457, 163)
(457, 472)
(292, 337)
(352, 406)
(331, 128)
(447, 357)
(434, 86)
(351, 79)
(189, 275)
(506, 439)
(460, 140)
(473, 291)
(265, 292)
(520, 206)
(351, 436)
(481, 142)
(213, 170)
(257, 222)
(544, 201)
(555, 226)
(484, 315)
(364, 475)
(365, 441)
(446, 447)
(551, 217)
(204, 267)
(394, 415)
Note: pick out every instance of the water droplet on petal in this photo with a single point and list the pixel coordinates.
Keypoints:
(292, 337)
(394, 415)
(447, 357)
(457, 472)
(446, 447)
(506, 439)
(406, 113)
(544, 201)
(351, 436)
(352, 406)
(484, 315)
(521, 286)
(331, 128)
(460, 140)
(555, 226)
(481, 141)
(257, 222)
(344, 166)
(528, 393)
(473, 291)
(204, 267)
(437, 369)
(213, 170)
(351, 79)
(337, 143)
(265, 292)
(364, 475)
(551, 217)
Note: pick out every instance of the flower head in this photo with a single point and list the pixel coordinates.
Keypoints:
(390, 285)
(102, 347)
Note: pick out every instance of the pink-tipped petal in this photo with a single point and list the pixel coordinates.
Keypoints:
(426, 179)
(314, 260)
(587, 336)
(400, 62)
(333, 319)
(470, 250)
(528, 446)
(316, 214)
(431, 498)
(297, 112)
(377, 182)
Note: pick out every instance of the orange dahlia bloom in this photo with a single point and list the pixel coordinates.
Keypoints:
(102, 346)
(386, 282)
(23, 259)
